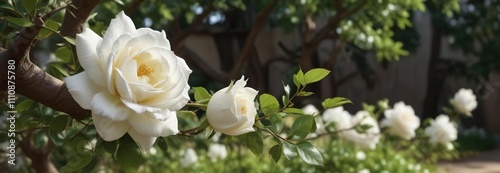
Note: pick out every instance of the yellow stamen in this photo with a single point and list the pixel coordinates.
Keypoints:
(144, 70)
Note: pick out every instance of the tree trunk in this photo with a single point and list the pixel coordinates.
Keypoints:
(435, 77)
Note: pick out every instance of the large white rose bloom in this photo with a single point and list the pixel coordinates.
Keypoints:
(217, 151)
(132, 82)
(189, 158)
(464, 101)
(370, 137)
(442, 131)
(231, 110)
(401, 120)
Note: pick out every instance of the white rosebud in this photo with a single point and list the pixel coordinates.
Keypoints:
(370, 137)
(133, 83)
(442, 131)
(310, 110)
(189, 158)
(287, 89)
(464, 101)
(401, 120)
(217, 151)
(231, 110)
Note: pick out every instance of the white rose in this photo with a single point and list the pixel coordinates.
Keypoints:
(464, 101)
(370, 137)
(360, 155)
(189, 158)
(338, 115)
(310, 110)
(442, 131)
(401, 120)
(231, 110)
(364, 171)
(132, 82)
(217, 151)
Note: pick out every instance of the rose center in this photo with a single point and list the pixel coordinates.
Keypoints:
(243, 110)
(144, 70)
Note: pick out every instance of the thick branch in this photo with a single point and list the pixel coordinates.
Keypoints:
(178, 41)
(40, 158)
(250, 41)
(33, 82)
(76, 15)
(334, 23)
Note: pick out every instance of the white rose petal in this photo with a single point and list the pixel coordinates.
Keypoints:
(231, 110)
(442, 131)
(132, 82)
(464, 101)
(401, 120)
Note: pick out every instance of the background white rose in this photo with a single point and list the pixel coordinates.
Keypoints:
(464, 101)
(442, 131)
(310, 110)
(370, 137)
(340, 117)
(231, 110)
(189, 158)
(401, 120)
(132, 82)
(217, 151)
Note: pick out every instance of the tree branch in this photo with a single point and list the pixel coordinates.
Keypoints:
(250, 41)
(33, 82)
(178, 41)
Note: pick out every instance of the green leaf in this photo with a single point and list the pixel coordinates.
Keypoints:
(309, 153)
(276, 122)
(334, 102)
(64, 53)
(19, 21)
(59, 123)
(50, 27)
(70, 40)
(315, 75)
(289, 150)
(302, 126)
(30, 6)
(24, 105)
(295, 111)
(77, 161)
(268, 104)
(275, 152)
(298, 78)
(254, 142)
(60, 70)
(201, 94)
(129, 157)
(304, 93)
